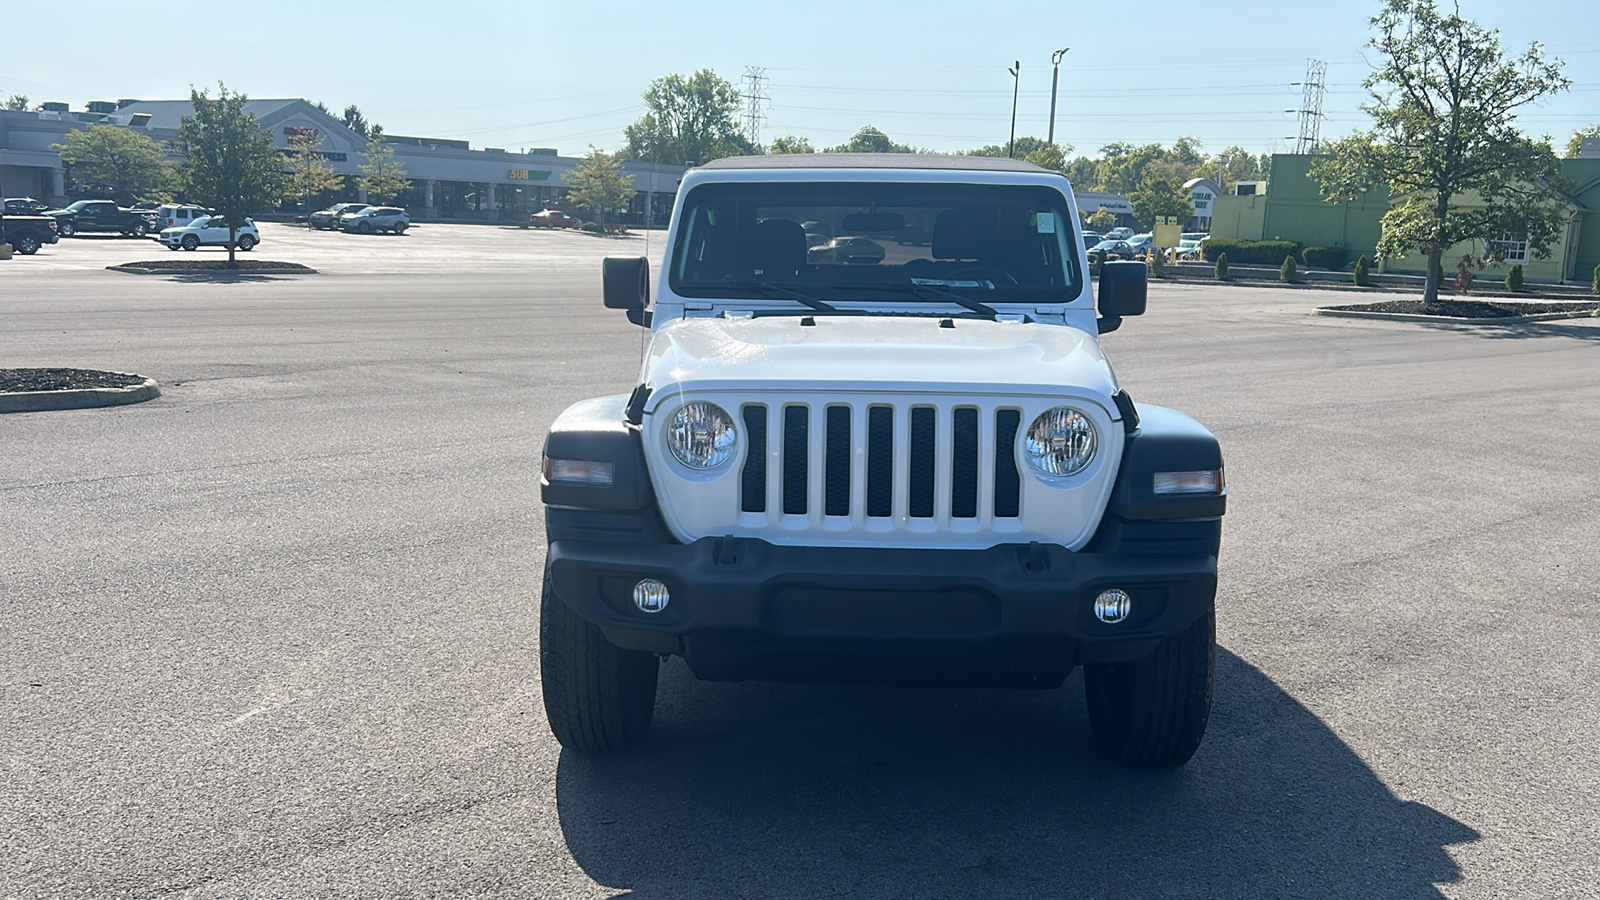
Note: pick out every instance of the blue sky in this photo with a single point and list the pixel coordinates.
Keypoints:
(931, 74)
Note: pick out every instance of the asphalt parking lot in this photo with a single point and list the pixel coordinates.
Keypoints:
(273, 633)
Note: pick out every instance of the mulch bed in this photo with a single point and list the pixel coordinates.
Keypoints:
(1455, 308)
(15, 381)
(245, 265)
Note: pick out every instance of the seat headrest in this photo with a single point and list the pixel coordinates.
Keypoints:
(964, 234)
(778, 246)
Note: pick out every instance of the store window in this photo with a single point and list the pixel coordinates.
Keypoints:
(1509, 248)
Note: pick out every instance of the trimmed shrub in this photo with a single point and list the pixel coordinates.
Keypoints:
(1286, 272)
(1596, 286)
(1363, 272)
(1221, 270)
(1158, 261)
(1325, 257)
(1262, 253)
(1514, 278)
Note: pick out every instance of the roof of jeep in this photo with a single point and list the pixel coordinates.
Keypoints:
(873, 161)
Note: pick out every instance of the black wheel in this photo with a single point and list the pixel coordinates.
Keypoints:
(1153, 712)
(246, 242)
(66, 228)
(138, 230)
(364, 228)
(190, 242)
(598, 698)
(400, 229)
(27, 245)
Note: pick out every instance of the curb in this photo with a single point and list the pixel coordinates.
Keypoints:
(1414, 317)
(141, 270)
(79, 398)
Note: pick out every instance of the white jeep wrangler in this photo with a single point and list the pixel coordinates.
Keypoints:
(875, 439)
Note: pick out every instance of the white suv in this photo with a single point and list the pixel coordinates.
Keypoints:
(909, 466)
(371, 219)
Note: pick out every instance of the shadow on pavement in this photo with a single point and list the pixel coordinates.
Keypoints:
(780, 790)
(218, 277)
(1568, 328)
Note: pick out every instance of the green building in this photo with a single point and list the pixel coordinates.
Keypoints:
(1292, 209)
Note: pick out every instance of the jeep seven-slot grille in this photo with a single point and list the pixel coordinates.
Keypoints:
(831, 461)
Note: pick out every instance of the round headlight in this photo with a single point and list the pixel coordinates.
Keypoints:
(701, 435)
(1061, 441)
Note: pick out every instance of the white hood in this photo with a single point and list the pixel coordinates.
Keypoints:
(877, 353)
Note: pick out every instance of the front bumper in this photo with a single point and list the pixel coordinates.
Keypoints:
(1013, 614)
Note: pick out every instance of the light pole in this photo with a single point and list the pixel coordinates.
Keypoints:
(1016, 82)
(1055, 77)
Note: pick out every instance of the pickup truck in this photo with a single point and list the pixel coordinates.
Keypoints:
(102, 215)
(26, 234)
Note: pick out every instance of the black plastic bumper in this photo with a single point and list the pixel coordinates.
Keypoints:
(1014, 614)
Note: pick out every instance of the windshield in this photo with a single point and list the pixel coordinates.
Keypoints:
(877, 242)
(79, 205)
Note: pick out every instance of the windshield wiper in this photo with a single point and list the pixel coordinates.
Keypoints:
(768, 289)
(924, 290)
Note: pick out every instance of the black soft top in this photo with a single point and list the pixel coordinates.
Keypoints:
(874, 161)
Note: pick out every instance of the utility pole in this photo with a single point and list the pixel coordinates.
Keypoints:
(1016, 83)
(1313, 88)
(1055, 78)
(755, 78)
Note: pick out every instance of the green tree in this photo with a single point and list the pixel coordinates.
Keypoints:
(355, 121)
(1158, 196)
(382, 176)
(871, 140)
(1102, 219)
(790, 144)
(1445, 96)
(1036, 150)
(17, 103)
(229, 164)
(1236, 164)
(688, 120)
(1081, 171)
(1573, 146)
(598, 183)
(129, 162)
(310, 173)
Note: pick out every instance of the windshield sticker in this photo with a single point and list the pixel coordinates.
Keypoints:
(1047, 223)
(940, 282)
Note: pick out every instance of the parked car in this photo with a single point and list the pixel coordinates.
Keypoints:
(1141, 243)
(376, 218)
(551, 218)
(1188, 249)
(209, 231)
(25, 206)
(26, 233)
(329, 218)
(102, 215)
(1115, 249)
(1090, 238)
(848, 250)
(177, 215)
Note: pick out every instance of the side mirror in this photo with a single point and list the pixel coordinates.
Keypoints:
(1124, 288)
(627, 286)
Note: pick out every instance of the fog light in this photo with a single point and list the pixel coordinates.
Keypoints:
(650, 596)
(1110, 607)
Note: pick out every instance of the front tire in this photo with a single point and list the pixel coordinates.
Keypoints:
(599, 698)
(190, 242)
(364, 228)
(1152, 713)
(66, 229)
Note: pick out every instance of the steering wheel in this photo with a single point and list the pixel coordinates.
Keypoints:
(984, 272)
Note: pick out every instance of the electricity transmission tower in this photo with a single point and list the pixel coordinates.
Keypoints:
(755, 93)
(1312, 91)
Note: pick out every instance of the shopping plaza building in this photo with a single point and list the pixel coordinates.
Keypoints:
(449, 179)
